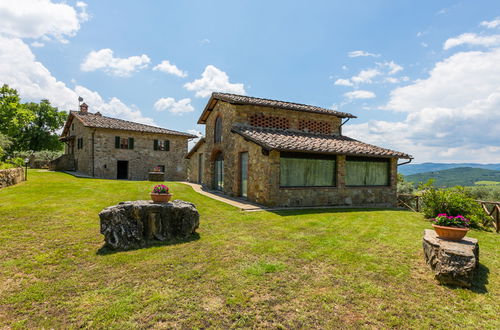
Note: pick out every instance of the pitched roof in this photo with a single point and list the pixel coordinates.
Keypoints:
(248, 100)
(298, 141)
(198, 144)
(99, 121)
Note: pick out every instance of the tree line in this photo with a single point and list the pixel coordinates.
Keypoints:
(26, 128)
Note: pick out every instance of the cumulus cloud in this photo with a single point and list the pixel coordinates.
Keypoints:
(167, 67)
(20, 70)
(450, 116)
(121, 67)
(343, 82)
(472, 39)
(40, 19)
(360, 94)
(491, 24)
(361, 53)
(214, 80)
(365, 76)
(170, 104)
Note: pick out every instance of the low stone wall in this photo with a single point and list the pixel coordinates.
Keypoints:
(11, 176)
(65, 162)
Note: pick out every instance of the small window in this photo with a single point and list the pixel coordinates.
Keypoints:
(162, 168)
(218, 130)
(162, 145)
(79, 143)
(124, 143)
(365, 171)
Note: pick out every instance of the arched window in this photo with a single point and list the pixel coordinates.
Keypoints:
(218, 130)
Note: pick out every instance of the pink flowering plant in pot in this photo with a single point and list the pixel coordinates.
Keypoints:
(160, 194)
(451, 227)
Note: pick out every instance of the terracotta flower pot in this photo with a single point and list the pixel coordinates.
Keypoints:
(160, 198)
(450, 233)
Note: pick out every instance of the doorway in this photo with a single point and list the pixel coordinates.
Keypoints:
(122, 169)
(219, 172)
(244, 174)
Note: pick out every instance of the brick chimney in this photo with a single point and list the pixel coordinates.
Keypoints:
(84, 108)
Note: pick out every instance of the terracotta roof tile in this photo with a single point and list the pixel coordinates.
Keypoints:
(289, 140)
(249, 100)
(99, 121)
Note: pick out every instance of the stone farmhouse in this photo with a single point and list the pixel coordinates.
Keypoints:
(111, 148)
(287, 154)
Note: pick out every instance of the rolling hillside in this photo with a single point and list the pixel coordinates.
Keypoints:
(433, 167)
(461, 176)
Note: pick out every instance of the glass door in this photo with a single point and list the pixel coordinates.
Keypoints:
(244, 174)
(219, 172)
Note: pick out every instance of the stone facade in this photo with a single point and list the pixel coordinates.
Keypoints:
(196, 163)
(11, 176)
(264, 165)
(95, 153)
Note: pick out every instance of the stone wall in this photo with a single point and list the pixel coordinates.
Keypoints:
(264, 167)
(101, 160)
(11, 176)
(194, 164)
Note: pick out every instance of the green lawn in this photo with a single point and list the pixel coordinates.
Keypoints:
(309, 269)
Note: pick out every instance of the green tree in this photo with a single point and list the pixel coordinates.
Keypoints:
(13, 115)
(40, 133)
(4, 144)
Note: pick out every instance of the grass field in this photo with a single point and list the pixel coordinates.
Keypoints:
(309, 269)
(487, 183)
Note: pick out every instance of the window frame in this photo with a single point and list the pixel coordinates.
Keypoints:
(311, 156)
(218, 130)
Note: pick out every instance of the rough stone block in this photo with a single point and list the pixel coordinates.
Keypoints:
(130, 225)
(452, 262)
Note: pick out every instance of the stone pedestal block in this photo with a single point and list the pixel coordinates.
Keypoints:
(130, 225)
(156, 176)
(452, 262)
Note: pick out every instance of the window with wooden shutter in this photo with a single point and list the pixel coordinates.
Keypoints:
(155, 145)
(167, 145)
(117, 142)
(131, 143)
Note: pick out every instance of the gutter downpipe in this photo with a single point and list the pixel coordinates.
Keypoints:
(93, 155)
(408, 162)
(340, 127)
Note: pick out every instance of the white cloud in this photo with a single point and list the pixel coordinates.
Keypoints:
(343, 82)
(472, 39)
(37, 44)
(204, 41)
(392, 66)
(361, 53)
(491, 24)
(167, 67)
(360, 94)
(40, 19)
(451, 116)
(121, 67)
(170, 104)
(20, 70)
(394, 80)
(365, 76)
(214, 80)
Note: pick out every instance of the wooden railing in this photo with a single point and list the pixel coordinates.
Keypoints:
(492, 209)
(410, 201)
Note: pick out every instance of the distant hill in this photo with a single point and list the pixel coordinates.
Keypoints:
(432, 167)
(461, 176)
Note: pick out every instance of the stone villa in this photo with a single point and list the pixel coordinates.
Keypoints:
(287, 154)
(111, 148)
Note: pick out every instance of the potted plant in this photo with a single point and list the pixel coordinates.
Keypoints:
(450, 227)
(160, 194)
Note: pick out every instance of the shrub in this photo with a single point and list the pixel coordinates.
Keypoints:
(485, 193)
(454, 201)
(403, 186)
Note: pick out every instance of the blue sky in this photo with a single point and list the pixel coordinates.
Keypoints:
(422, 77)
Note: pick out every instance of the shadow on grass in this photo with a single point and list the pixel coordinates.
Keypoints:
(104, 250)
(478, 283)
(304, 211)
(480, 279)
